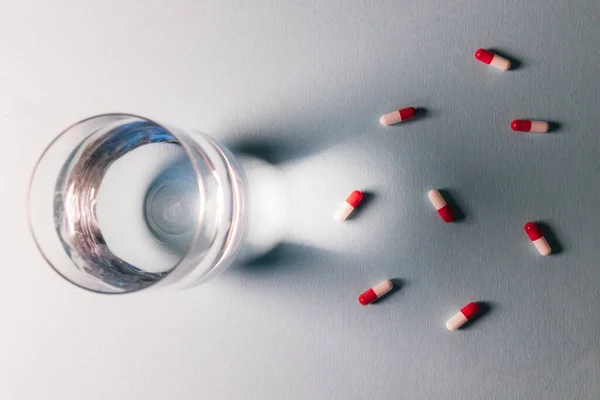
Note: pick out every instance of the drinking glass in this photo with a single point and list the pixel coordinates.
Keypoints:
(120, 203)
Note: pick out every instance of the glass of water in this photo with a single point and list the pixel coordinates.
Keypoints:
(119, 203)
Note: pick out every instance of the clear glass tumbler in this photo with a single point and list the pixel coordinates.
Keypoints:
(120, 203)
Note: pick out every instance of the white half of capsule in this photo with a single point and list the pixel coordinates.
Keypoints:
(500, 63)
(539, 126)
(390, 118)
(542, 246)
(456, 321)
(382, 288)
(436, 199)
(343, 211)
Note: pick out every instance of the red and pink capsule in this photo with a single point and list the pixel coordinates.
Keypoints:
(397, 116)
(352, 201)
(466, 313)
(524, 125)
(539, 241)
(487, 57)
(440, 205)
(372, 294)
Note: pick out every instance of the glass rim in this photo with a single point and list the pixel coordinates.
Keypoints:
(62, 133)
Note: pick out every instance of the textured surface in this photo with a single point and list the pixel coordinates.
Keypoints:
(305, 83)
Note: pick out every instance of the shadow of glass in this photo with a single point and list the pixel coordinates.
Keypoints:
(281, 256)
(277, 150)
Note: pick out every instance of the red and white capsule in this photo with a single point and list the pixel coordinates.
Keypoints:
(492, 59)
(524, 125)
(372, 294)
(465, 314)
(397, 116)
(352, 201)
(440, 205)
(539, 241)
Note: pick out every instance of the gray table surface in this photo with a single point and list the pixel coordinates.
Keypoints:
(308, 80)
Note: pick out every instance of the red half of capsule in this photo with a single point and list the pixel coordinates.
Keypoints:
(446, 213)
(367, 297)
(407, 113)
(521, 125)
(470, 310)
(533, 231)
(484, 56)
(354, 198)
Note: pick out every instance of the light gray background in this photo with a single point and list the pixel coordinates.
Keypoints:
(309, 80)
